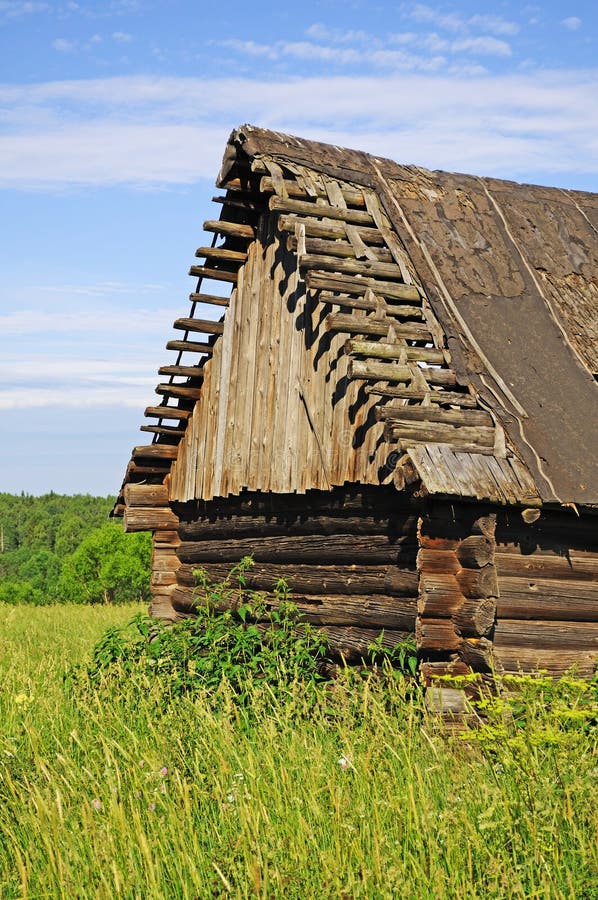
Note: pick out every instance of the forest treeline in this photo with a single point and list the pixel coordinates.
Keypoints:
(57, 548)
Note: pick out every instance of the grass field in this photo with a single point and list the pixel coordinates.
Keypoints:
(118, 793)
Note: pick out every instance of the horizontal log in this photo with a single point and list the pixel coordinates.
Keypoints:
(475, 618)
(361, 611)
(548, 600)
(209, 299)
(161, 608)
(352, 644)
(164, 558)
(350, 324)
(146, 495)
(569, 566)
(322, 210)
(167, 412)
(451, 398)
(316, 579)
(458, 436)
(341, 248)
(367, 268)
(328, 230)
(382, 350)
(443, 562)
(430, 671)
(436, 635)
(204, 325)
(539, 633)
(182, 371)
(393, 311)
(148, 518)
(432, 414)
(230, 229)
(179, 390)
(190, 347)
(214, 274)
(381, 371)
(258, 526)
(221, 254)
(370, 550)
(159, 469)
(168, 430)
(348, 284)
(156, 451)
(513, 660)
(351, 196)
(476, 551)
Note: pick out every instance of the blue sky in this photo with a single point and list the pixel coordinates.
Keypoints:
(113, 120)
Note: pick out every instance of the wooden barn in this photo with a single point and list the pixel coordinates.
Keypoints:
(385, 391)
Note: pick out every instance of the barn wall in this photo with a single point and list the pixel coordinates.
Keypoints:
(348, 556)
(277, 411)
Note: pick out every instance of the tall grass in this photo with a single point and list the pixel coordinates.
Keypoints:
(115, 792)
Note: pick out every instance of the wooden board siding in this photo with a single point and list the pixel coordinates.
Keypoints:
(277, 410)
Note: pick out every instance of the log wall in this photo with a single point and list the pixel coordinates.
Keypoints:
(498, 591)
(348, 556)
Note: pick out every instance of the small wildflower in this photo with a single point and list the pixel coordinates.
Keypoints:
(97, 804)
(164, 770)
(239, 776)
(23, 699)
(152, 807)
(230, 798)
(345, 763)
(141, 763)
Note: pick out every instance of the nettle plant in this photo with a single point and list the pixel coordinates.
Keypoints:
(238, 637)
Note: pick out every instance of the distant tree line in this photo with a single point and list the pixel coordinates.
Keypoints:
(58, 548)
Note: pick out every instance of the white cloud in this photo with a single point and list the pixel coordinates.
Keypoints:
(420, 12)
(122, 37)
(94, 322)
(12, 9)
(148, 131)
(481, 46)
(99, 289)
(572, 23)
(74, 397)
(62, 45)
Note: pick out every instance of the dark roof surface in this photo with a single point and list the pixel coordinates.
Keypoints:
(512, 273)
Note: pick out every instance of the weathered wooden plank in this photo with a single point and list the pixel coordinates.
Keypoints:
(258, 526)
(168, 430)
(148, 518)
(513, 660)
(380, 371)
(221, 254)
(209, 299)
(352, 196)
(436, 635)
(571, 565)
(450, 398)
(347, 284)
(167, 412)
(351, 324)
(366, 267)
(146, 495)
(230, 229)
(341, 248)
(179, 390)
(322, 210)
(458, 437)
(207, 326)
(182, 371)
(548, 599)
(327, 230)
(392, 310)
(470, 417)
(156, 451)
(383, 350)
(225, 275)
(191, 347)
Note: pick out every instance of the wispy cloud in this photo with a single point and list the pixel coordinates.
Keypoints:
(93, 322)
(572, 23)
(157, 131)
(455, 22)
(73, 397)
(62, 45)
(14, 9)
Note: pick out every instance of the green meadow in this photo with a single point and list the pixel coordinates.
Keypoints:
(123, 789)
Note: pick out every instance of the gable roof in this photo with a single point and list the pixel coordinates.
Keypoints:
(507, 279)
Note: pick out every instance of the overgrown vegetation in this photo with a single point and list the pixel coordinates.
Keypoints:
(56, 549)
(126, 788)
